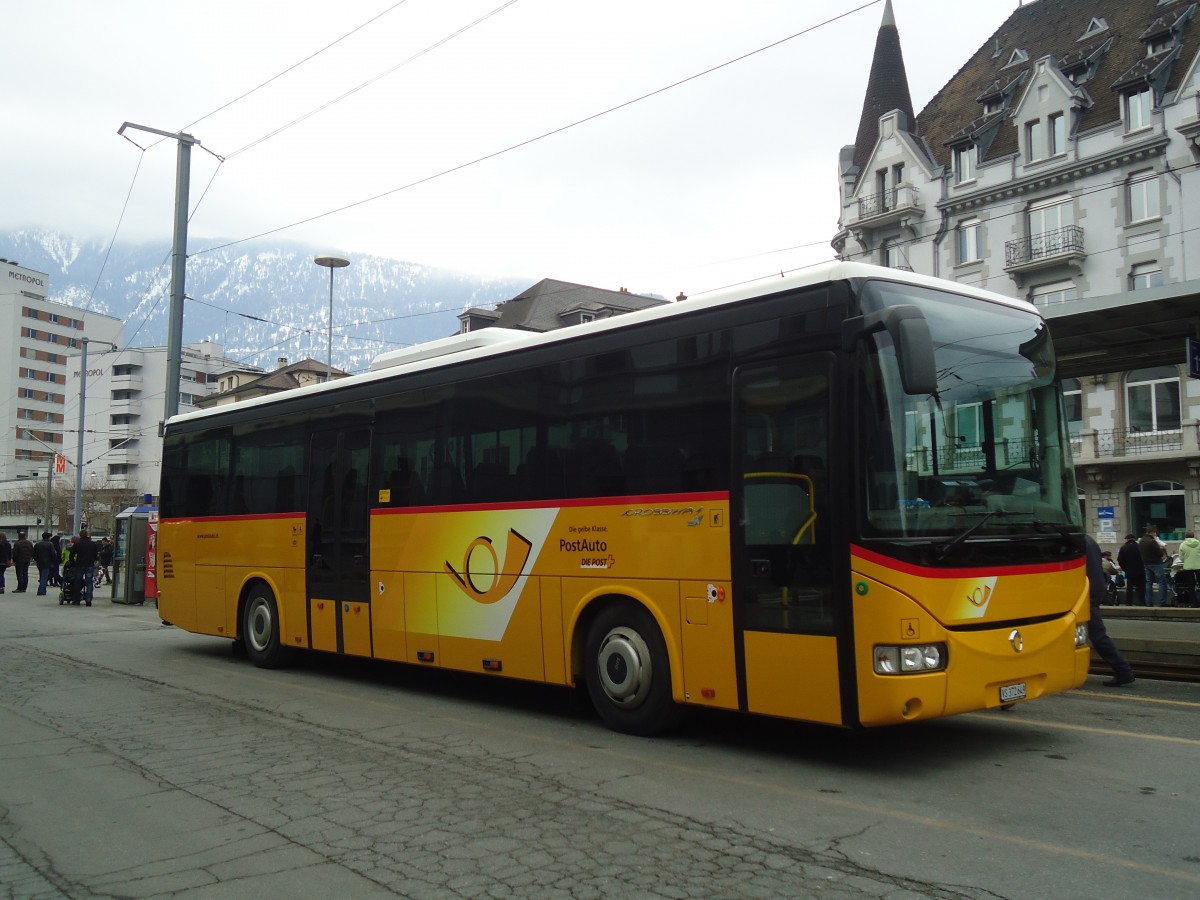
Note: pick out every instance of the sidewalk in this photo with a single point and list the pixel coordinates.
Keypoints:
(1168, 636)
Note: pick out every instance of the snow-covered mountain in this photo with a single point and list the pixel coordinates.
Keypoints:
(260, 300)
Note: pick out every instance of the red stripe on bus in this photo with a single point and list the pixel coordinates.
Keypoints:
(637, 500)
(927, 572)
(241, 518)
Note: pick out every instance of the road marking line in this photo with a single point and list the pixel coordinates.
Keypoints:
(1134, 697)
(814, 796)
(1087, 729)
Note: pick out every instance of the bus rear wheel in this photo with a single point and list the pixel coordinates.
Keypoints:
(628, 673)
(260, 629)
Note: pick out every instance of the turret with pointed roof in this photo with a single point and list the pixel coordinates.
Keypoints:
(887, 88)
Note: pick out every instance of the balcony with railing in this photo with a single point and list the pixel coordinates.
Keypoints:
(971, 457)
(1132, 442)
(1048, 248)
(888, 207)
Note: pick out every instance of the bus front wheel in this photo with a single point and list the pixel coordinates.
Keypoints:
(628, 672)
(260, 629)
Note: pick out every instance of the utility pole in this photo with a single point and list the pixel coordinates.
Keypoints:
(178, 261)
(76, 525)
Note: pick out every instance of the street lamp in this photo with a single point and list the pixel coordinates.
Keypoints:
(331, 261)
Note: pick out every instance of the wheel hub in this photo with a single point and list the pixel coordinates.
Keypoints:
(624, 667)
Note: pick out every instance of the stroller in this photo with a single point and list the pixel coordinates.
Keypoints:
(72, 586)
(1183, 585)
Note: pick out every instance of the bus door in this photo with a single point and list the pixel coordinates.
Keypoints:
(338, 542)
(783, 555)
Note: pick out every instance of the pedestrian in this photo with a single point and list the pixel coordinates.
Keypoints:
(1154, 557)
(22, 554)
(105, 559)
(43, 558)
(1097, 633)
(1189, 555)
(55, 574)
(86, 552)
(5, 558)
(1111, 571)
(1129, 558)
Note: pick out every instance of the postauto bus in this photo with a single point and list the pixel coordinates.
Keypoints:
(844, 497)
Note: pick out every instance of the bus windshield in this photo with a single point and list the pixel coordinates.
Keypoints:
(988, 453)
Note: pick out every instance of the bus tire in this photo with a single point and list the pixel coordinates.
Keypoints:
(260, 629)
(628, 672)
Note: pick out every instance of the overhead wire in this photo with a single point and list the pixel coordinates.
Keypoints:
(544, 135)
(294, 66)
(370, 81)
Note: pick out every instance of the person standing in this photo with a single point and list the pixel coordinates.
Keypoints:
(1129, 558)
(86, 553)
(56, 574)
(1153, 557)
(1189, 555)
(105, 560)
(1097, 633)
(5, 558)
(43, 558)
(22, 554)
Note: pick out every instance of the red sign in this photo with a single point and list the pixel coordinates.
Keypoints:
(152, 556)
(60, 464)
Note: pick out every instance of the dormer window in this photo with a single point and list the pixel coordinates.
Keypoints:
(1137, 109)
(1159, 44)
(1097, 25)
(1018, 56)
(993, 105)
(965, 159)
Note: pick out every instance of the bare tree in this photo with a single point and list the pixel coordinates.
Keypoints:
(101, 503)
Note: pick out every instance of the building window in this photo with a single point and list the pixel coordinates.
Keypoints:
(970, 241)
(1035, 140)
(1137, 110)
(1056, 130)
(1047, 217)
(1097, 25)
(1059, 292)
(1152, 399)
(1161, 504)
(585, 317)
(1142, 196)
(891, 255)
(1145, 275)
(964, 163)
(1073, 405)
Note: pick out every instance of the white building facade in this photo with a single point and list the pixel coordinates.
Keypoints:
(1057, 166)
(124, 408)
(40, 343)
(123, 401)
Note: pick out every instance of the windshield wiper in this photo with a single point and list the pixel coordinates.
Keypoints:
(943, 550)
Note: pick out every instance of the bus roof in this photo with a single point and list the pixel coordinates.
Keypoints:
(491, 341)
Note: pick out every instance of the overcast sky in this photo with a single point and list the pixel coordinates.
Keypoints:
(727, 177)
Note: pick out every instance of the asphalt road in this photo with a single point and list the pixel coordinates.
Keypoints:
(140, 761)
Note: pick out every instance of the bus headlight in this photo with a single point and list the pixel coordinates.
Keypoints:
(1080, 635)
(905, 660)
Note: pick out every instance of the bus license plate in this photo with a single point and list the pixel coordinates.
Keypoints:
(1011, 692)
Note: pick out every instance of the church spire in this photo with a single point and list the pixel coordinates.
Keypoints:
(887, 88)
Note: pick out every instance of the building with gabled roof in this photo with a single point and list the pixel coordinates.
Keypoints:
(1056, 165)
(241, 382)
(551, 304)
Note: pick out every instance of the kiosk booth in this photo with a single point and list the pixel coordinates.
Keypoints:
(135, 543)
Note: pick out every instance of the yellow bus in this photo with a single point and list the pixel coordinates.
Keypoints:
(844, 498)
